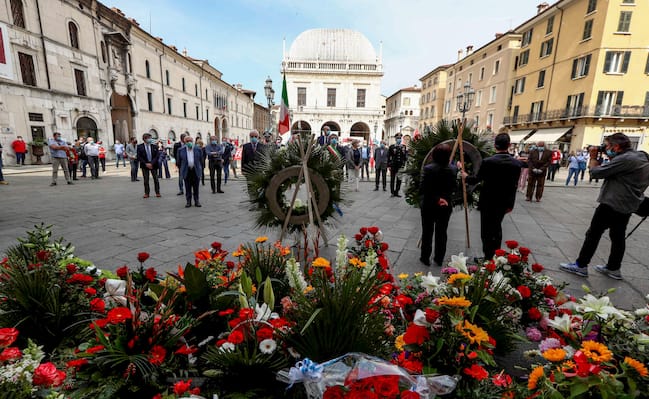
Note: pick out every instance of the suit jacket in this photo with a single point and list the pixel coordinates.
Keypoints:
(535, 163)
(381, 158)
(437, 182)
(249, 154)
(499, 174)
(198, 161)
(397, 156)
(142, 158)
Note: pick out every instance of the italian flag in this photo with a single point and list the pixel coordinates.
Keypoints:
(284, 120)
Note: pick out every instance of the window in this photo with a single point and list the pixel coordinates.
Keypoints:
(624, 24)
(519, 85)
(541, 81)
(184, 109)
(617, 61)
(470, 80)
(206, 96)
(628, 1)
(546, 48)
(481, 73)
(492, 94)
(18, 13)
(147, 68)
(81, 82)
(183, 83)
(74, 34)
(536, 111)
(490, 120)
(331, 97)
(609, 102)
(103, 51)
(524, 58)
(592, 6)
(646, 104)
(476, 123)
(128, 63)
(433, 95)
(360, 98)
(550, 25)
(478, 98)
(646, 67)
(149, 101)
(169, 105)
(27, 69)
(574, 105)
(167, 77)
(197, 116)
(447, 106)
(588, 30)
(301, 96)
(496, 66)
(432, 111)
(515, 114)
(527, 38)
(207, 114)
(427, 98)
(580, 66)
(406, 101)
(196, 90)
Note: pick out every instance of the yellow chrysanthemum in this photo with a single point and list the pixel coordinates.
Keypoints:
(357, 262)
(320, 262)
(399, 342)
(568, 365)
(640, 368)
(596, 351)
(261, 239)
(473, 333)
(458, 276)
(535, 375)
(554, 355)
(238, 253)
(308, 289)
(403, 276)
(456, 302)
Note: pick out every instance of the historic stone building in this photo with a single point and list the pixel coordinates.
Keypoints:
(433, 92)
(81, 68)
(333, 78)
(402, 113)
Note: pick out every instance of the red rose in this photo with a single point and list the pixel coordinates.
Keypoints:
(236, 337)
(142, 256)
(386, 289)
(410, 395)
(373, 230)
(157, 396)
(534, 314)
(42, 255)
(368, 243)
(122, 271)
(76, 363)
(490, 266)
(226, 312)
(7, 336)
(195, 391)
(119, 315)
(358, 237)
(71, 268)
(182, 386)
(511, 244)
(513, 259)
(90, 291)
(229, 264)
(538, 268)
(432, 315)
(363, 230)
(247, 313)
(549, 291)
(216, 245)
(95, 349)
(11, 353)
(384, 246)
(80, 278)
(416, 335)
(150, 274)
(476, 371)
(524, 251)
(334, 392)
(387, 386)
(186, 350)
(500, 252)
(157, 355)
(47, 375)
(98, 305)
(524, 291)
(264, 333)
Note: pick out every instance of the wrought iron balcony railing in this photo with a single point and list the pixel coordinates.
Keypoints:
(614, 111)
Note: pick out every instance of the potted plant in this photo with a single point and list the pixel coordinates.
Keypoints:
(37, 149)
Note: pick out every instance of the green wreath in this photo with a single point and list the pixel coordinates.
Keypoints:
(276, 170)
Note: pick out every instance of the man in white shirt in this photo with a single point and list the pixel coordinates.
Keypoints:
(92, 152)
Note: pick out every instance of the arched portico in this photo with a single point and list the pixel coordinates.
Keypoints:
(360, 130)
(301, 127)
(87, 127)
(333, 127)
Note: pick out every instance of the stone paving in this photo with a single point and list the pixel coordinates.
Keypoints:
(109, 222)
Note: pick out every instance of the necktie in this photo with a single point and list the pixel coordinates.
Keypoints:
(148, 153)
(254, 147)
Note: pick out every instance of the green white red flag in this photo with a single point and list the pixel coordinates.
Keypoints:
(284, 118)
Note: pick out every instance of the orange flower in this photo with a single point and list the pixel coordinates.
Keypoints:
(357, 262)
(534, 377)
(640, 368)
(473, 333)
(202, 255)
(456, 302)
(261, 239)
(554, 355)
(458, 276)
(596, 351)
(320, 262)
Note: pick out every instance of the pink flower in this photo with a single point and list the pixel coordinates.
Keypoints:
(533, 334)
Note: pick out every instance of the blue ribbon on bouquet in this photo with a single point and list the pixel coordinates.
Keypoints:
(305, 370)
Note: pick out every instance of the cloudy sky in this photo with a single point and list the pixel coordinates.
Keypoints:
(243, 38)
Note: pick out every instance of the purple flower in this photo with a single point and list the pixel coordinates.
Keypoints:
(549, 343)
(533, 334)
(449, 270)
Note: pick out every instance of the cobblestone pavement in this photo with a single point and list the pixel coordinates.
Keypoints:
(109, 222)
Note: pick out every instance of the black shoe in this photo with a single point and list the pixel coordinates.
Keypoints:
(197, 204)
(220, 191)
(137, 179)
(384, 189)
(213, 192)
(424, 261)
(75, 179)
(376, 189)
(397, 195)
(70, 182)
(392, 195)
(52, 184)
(180, 193)
(187, 205)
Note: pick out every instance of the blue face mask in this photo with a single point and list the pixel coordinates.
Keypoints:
(334, 141)
(254, 140)
(382, 145)
(398, 141)
(149, 141)
(189, 145)
(540, 148)
(611, 153)
(215, 142)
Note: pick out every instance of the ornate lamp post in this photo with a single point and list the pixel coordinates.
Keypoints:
(376, 127)
(270, 95)
(464, 101)
(401, 118)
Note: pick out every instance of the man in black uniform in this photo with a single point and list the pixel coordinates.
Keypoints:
(396, 160)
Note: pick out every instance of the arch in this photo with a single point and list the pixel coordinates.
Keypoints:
(199, 135)
(301, 127)
(153, 133)
(224, 126)
(171, 135)
(360, 130)
(73, 30)
(87, 127)
(333, 127)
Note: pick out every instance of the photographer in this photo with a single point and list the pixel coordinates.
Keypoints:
(626, 177)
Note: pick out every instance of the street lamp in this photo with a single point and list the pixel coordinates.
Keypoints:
(376, 127)
(270, 94)
(464, 101)
(401, 118)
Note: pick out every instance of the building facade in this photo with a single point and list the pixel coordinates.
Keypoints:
(333, 78)
(402, 113)
(433, 93)
(262, 119)
(582, 73)
(83, 69)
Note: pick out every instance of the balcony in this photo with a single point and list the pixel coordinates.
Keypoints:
(614, 111)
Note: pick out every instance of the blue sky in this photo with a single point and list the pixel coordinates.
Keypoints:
(243, 38)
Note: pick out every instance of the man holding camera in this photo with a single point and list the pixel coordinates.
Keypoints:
(539, 160)
(626, 178)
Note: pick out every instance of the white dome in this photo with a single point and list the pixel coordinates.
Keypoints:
(340, 45)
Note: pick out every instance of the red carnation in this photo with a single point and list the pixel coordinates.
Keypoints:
(42, 255)
(490, 266)
(80, 278)
(410, 395)
(363, 230)
(90, 291)
(122, 271)
(524, 291)
(538, 268)
(186, 350)
(47, 375)
(119, 315)
(524, 251)
(264, 333)
(549, 291)
(182, 386)
(216, 245)
(500, 252)
(416, 335)
(71, 268)
(142, 256)
(386, 289)
(513, 259)
(511, 244)
(534, 314)
(247, 313)
(97, 305)
(476, 371)
(7, 336)
(76, 363)
(157, 355)
(11, 353)
(432, 315)
(358, 236)
(226, 312)
(373, 230)
(368, 243)
(95, 349)
(150, 274)
(235, 337)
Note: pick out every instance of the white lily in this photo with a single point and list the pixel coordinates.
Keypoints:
(420, 318)
(430, 282)
(262, 312)
(458, 262)
(562, 323)
(600, 306)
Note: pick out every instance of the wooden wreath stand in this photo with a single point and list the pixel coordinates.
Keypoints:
(312, 204)
(458, 143)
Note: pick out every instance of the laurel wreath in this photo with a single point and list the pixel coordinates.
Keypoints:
(276, 170)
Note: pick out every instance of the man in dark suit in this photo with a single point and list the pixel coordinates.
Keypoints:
(397, 154)
(539, 160)
(147, 156)
(381, 164)
(251, 151)
(191, 170)
(499, 174)
(175, 153)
